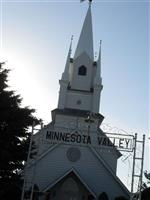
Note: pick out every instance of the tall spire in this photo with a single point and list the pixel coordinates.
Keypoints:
(65, 75)
(85, 43)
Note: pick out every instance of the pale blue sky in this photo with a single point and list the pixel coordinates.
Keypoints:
(35, 37)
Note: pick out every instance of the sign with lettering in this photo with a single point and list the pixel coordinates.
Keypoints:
(68, 137)
(121, 142)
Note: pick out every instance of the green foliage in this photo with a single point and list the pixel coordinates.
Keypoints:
(14, 138)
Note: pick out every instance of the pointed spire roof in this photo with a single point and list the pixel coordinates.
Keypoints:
(85, 43)
(65, 75)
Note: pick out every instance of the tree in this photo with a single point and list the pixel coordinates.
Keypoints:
(147, 176)
(14, 138)
(145, 195)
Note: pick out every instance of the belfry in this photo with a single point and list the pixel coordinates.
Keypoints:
(70, 163)
(81, 83)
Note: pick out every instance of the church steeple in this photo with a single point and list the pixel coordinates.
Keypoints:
(85, 43)
(80, 85)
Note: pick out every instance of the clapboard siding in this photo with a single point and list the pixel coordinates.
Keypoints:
(53, 165)
(96, 165)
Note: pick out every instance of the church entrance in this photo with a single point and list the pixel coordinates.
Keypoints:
(69, 188)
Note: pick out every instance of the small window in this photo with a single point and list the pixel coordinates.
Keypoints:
(82, 70)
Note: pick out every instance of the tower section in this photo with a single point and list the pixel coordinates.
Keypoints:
(81, 84)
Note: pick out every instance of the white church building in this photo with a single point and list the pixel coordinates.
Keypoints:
(73, 161)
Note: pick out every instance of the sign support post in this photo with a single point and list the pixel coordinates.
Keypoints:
(135, 174)
(133, 165)
(142, 163)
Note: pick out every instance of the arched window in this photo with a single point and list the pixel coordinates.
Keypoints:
(82, 70)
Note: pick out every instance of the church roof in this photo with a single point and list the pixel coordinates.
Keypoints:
(109, 170)
(85, 43)
(76, 112)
